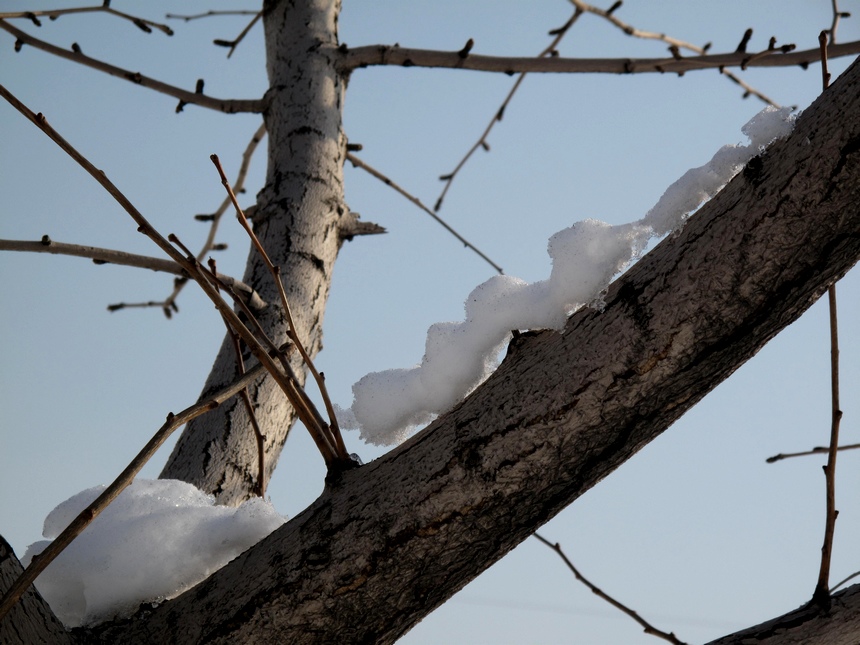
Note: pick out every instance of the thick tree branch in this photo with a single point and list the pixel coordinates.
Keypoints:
(401, 56)
(391, 541)
(229, 106)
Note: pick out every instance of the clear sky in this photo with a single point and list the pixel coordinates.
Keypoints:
(696, 532)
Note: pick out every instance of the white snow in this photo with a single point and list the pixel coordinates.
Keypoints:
(458, 356)
(157, 539)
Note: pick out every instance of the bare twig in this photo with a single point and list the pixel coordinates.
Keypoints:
(550, 50)
(675, 45)
(821, 595)
(648, 627)
(53, 14)
(246, 399)
(169, 305)
(374, 55)
(209, 14)
(232, 44)
(327, 433)
(112, 256)
(818, 450)
(85, 517)
(358, 163)
(843, 581)
(837, 16)
(229, 106)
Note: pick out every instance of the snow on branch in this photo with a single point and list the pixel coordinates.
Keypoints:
(459, 356)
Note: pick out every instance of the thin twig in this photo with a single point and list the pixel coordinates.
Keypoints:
(209, 14)
(246, 399)
(358, 163)
(648, 627)
(818, 450)
(53, 14)
(675, 45)
(842, 582)
(837, 15)
(169, 305)
(85, 517)
(331, 431)
(232, 44)
(229, 106)
(550, 51)
(821, 595)
(111, 256)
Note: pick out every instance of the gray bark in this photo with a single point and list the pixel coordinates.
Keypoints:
(389, 542)
(300, 219)
(838, 624)
(31, 621)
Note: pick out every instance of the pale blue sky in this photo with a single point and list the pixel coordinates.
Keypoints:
(696, 532)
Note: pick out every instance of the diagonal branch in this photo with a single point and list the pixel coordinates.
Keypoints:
(53, 14)
(648, 627)
(550, 50)
(230, 106)
(358, 163)
(112, 256)
(374, 55)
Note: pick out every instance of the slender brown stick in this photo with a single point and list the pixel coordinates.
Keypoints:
(232, 44)
(246, 399)
(818, 450)
(169, 303)
(675, 44)
(53, 14)
(125, 478)
(229, 106)
(549, 51)
(112, 256)
(330, 431)
(358, 163)
(209, 14)
(844, 580)
(648, 627)
(821, 595)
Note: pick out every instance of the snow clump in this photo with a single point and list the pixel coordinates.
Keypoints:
(157, 539)
(459, 356)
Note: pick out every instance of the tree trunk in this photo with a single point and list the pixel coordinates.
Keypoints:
(391, 541)
(300, 218)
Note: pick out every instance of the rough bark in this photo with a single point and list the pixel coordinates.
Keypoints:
(389, 542)
(838, 624)
(31, 621)
(299, 216)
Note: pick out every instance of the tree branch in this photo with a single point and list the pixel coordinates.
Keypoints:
(53, 14)
(648, 627)
(229, 106)
(394, 539)
(358, 163)
(112, 256)
(393, 55)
